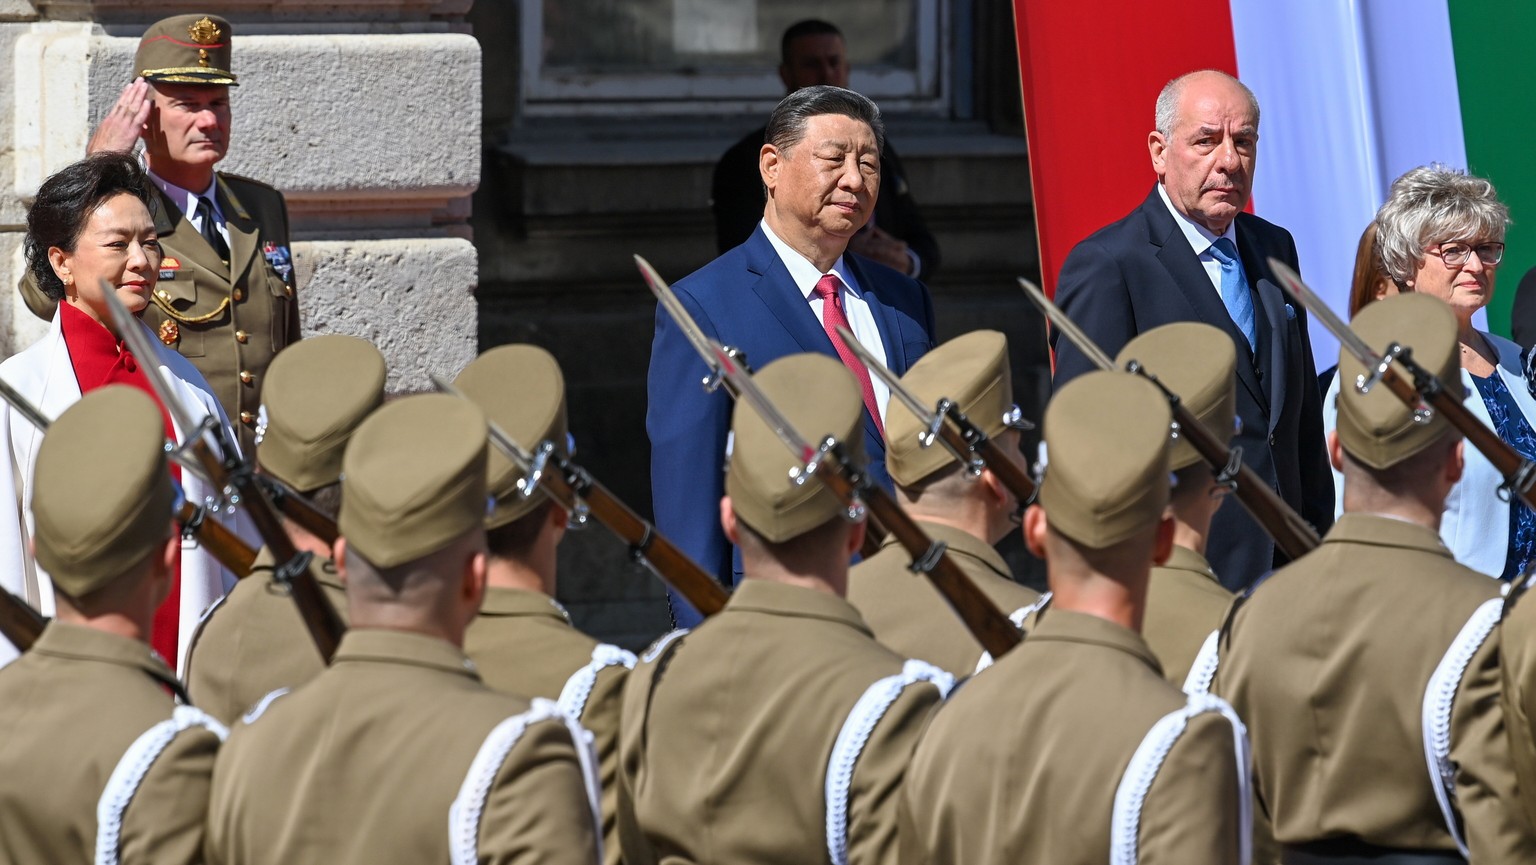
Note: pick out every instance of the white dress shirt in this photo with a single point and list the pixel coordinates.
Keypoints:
(1200, 239)
(186, 199)
(860, 319)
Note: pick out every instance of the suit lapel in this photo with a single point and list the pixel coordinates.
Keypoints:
(777, 290)
(242, 232)
(1195, 284)
(188, 242)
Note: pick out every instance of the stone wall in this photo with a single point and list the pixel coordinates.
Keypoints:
(366, 113)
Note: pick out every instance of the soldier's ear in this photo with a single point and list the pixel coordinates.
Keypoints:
(1335, 451)
(728, 520)
(339, 558)
(1162, 546)
(1034, 531)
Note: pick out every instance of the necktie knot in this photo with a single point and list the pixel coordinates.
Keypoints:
(1224, 251)
(826, 287)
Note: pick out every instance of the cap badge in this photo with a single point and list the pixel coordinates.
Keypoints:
(169, 332)
(204, 31)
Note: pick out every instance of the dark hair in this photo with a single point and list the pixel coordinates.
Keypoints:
(65, 201)
(515, 539)
(786, 125)
(808, 27)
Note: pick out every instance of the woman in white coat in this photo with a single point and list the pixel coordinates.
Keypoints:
(1441, 232)
(91, 223)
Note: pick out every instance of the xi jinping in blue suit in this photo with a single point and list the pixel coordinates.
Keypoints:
(821, 169)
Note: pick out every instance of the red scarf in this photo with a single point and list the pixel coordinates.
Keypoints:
(100, 359)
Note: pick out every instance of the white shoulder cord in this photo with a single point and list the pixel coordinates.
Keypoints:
(1136, 783)
(573, 697)
(1203, 671)
(857, 729)
(1017, 617)
(1439, 695)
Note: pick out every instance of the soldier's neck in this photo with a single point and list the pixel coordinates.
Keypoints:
(1191, 536)
(134, 625)
(193, 178)
(832, 581)
(503, 573)
(1118, 598)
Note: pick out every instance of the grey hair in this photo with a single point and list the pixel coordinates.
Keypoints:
(786, 125)
(1166, 115)
(1433, 204)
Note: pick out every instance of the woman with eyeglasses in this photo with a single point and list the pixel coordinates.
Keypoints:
(1441, 232)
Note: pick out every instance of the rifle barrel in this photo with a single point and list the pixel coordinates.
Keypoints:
(19, 622)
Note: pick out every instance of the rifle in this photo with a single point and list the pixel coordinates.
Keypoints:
(582, 496)
(221, 462)
(830, 463)
(1426, 394)
(874, 532)
(1292, 534)
(300, 509)
(961, 436)
(223, 544)
(19, 622)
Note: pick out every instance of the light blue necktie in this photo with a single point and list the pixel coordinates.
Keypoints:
(1234, 290)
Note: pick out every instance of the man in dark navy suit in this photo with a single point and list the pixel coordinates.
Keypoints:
(782, 292)
(1189, 253)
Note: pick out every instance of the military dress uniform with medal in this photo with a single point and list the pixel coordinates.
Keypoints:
(225, 298)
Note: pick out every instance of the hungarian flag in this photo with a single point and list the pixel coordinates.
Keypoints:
(1352, 94)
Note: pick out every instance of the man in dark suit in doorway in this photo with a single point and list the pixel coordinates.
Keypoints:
(782, 292)
(1189, 253)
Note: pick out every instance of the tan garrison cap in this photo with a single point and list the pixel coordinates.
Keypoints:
(819, 397)
(186, 49)
(317, 391)
(103, 497)
(971, 371)
(520, 388)
(1377, 428)
(1199, 363)
(1106, 476)
(413, 478)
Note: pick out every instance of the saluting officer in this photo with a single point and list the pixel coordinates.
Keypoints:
(225, 297)
(1072, 748)
(397, 752)
(254, 641)
(1185, 600)
(777, 731)
(523, 640)
(100, 763)
(1366, 669)
(967, 513)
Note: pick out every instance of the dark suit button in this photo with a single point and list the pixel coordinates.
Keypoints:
(1271, 441)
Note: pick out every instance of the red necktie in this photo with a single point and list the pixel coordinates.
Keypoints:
(832, 317)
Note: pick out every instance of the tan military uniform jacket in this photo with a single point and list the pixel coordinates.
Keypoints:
(1024, 763)
(1185, 603)
(253, 641)
(397, 753)
(87, 721)
(1517, 647)
(730, 732)
(908, 614)
(1330, 664)
(228, 320)
(524, 644)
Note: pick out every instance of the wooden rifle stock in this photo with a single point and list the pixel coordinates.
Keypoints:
(217, 539)
(646, 545)
(964, 435)
(300, 510)
(992, 628)
(19, 623)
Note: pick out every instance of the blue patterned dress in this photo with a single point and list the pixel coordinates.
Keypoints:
(1516, 431)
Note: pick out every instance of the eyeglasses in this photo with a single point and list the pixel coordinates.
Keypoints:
(1456, 254)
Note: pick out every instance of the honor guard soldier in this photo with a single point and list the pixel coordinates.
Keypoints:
(1185, 600)
(778, 731)
(101, 763)
(225, 297)
(523, 640)
(968, 513)
(397, 752)
(254, 641)
(1366, 670)
(1072, 749)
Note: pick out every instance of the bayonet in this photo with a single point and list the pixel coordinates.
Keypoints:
(1425, 394)
(221, 460)
(1292, 534)
(945, 422)
(826, 462)
(545, 469)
